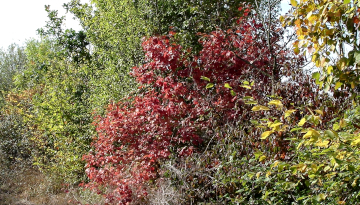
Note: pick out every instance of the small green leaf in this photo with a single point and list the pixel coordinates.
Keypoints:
(205, 78)
(296, 129)
(346, 1)
(232, 93)
(257, 154)
(227, 86)
(301, 198)
(316, 76)
(330, 134)
(209, 85)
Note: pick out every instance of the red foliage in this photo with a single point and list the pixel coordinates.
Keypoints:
(176, 111)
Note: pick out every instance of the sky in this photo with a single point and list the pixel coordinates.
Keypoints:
(19, 19)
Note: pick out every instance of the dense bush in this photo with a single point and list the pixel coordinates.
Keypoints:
(184, 100)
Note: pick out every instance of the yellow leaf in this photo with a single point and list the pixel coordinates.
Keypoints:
(281, 19)
(276, 124)
(276, 103)
(262, 158)
(245, 86)
(338, 85)
(268, 174)
(322, 143)
(329, 69)
(302, 122)
(288, 113)
(259, 108)
(275, 164)
(355, 142)
(313, 18)
(266, 134)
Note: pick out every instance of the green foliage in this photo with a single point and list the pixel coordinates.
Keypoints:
(12, 61)
(60, 112)
(15, 135)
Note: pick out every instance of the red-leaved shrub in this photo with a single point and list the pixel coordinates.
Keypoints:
(183, 98)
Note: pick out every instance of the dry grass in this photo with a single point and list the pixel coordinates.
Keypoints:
(23, 184)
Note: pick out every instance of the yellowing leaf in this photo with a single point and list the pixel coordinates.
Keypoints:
(293, 3)
(342, 123)
(319, 112)
(352, 85)
(355, 142)
(262, 158)
(302, 122)
(338, 85)
(276, 103)
(322, 196)
(245, 86)
(288, 113)
(311, 133)
(259, 108)
(266, 134)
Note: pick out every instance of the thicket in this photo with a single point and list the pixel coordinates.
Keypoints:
(187, 102)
